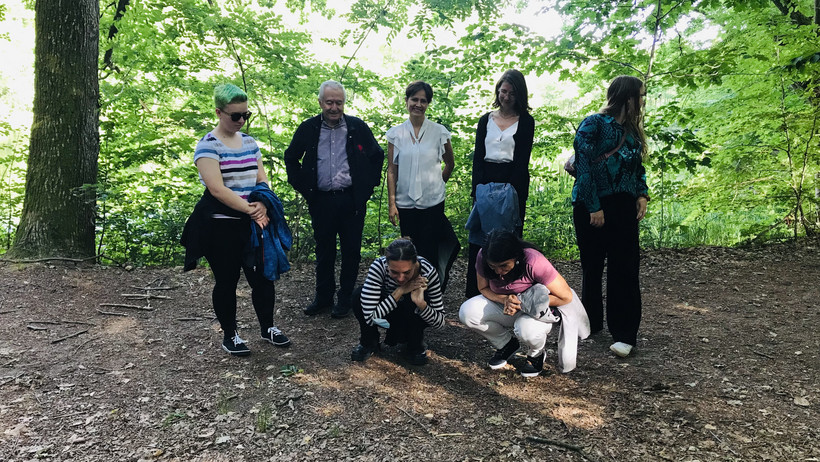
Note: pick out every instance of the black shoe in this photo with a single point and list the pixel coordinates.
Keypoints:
(501, 355)
(361, 352)
(315, 308)
(236, 346)
(340, 311)
(417, 359)
(276, 337)
(534, 366)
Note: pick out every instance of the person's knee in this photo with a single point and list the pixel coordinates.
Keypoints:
(530, 331)
(470, 312)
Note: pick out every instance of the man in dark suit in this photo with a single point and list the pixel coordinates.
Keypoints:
(334, 162)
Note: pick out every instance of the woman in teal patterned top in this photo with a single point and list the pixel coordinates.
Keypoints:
(609, 199)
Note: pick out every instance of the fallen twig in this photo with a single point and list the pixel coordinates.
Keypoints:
(70, 336)
(12, 379)
(190, 319)
(111, 313)
(761, 354)
(133, 307)
(61, 321)
(416, 421)
(146, 296)
(561, 444)
(7, 312)
(724, 443)
(30, 327)
(152, 288)
(39, 260)
(83, 344)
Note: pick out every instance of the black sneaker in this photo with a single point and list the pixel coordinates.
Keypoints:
(534, 366)
(316, 307)
(236, 346)
(276, 337)
(340, 311)
(416, 359)
(361, 352)
(501, 355)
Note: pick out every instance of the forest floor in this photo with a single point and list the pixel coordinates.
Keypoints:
(726, 369)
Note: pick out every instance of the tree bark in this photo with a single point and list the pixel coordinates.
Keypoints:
(58, 212)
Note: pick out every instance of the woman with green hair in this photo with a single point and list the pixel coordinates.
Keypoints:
(230, 167)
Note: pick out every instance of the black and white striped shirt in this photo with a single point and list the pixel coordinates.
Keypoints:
(377, 299)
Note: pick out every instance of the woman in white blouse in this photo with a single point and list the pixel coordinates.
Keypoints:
(416, 181)
(503, 144)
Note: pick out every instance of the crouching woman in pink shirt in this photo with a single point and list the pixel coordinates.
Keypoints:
(522, 297)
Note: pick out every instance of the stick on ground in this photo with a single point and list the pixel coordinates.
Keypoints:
(70, 336)
(561, 444)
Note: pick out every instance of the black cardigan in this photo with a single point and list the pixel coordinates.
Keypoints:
(517, 172)
(364, 156)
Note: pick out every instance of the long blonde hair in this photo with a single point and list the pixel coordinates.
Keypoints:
(620, 91)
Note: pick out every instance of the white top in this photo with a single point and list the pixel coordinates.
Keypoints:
(419, 183)
(499, 144)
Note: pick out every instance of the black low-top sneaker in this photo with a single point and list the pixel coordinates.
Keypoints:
(276, 337)
(501, 355)
(316, 307)
(340, 311)
(236, 346)
(534, 366)
(417, 358)
(362, 352)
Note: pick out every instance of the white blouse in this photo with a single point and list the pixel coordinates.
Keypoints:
(419, 183)
(499, 144)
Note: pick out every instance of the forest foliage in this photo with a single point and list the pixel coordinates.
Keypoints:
(732, 112)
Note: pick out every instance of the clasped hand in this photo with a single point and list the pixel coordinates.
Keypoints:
(259, 213)
(415, 287)
(512, 304)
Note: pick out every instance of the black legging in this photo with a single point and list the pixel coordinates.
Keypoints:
(226, 239)
(405, 325)
(617, 243)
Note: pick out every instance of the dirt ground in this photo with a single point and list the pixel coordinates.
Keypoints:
(726, 369)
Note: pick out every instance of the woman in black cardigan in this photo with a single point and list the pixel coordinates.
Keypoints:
(503, 145)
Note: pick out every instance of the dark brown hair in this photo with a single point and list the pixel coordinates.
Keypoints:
(516, 79)
(414, 88)
(623, 89)
(401, 249)
(501, 246)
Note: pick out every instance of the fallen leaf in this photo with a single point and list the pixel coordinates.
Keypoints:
(801, 401)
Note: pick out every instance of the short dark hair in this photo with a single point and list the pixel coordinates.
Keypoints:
(414, 88)
(515, 78)
(503, 245)
(401, 249)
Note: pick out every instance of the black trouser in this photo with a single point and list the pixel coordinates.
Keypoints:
(226, 239)
(423, 227)
(617, 243)
(405, 325)
(332, 214)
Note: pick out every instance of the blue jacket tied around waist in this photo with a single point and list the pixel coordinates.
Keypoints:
(270, 244)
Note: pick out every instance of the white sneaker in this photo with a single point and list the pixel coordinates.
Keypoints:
(621, 349)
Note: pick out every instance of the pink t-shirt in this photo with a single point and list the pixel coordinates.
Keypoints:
(537, 270)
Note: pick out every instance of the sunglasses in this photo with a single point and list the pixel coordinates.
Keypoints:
(235, 116)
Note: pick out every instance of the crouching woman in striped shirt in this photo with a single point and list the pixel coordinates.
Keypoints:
(402, 292)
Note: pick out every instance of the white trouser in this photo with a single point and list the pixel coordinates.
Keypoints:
(488, 318)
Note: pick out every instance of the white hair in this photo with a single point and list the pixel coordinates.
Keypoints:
(331, 84)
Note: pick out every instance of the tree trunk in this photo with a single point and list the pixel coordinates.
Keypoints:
(58, 213)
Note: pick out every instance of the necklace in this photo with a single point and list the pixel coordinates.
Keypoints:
(505, 116)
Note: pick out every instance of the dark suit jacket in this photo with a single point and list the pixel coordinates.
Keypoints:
(364, 155)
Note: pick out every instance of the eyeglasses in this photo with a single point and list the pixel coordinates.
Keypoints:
(235, 116)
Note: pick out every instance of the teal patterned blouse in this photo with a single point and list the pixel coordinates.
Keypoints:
(622, 172)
